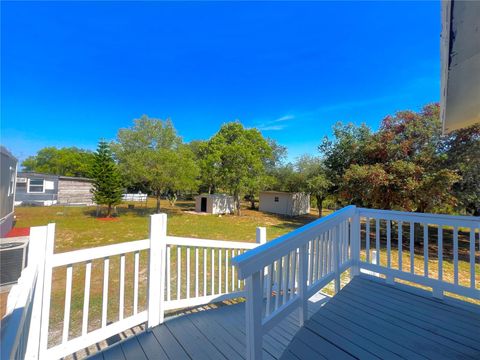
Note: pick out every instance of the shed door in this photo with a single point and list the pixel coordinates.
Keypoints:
(203, 205)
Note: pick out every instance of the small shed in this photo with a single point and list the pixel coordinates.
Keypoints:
(284, 203)
(214, 204)
(45, 190)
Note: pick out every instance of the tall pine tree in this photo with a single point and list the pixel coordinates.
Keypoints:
(107, 182)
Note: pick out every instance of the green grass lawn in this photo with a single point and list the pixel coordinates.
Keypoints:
(77, 228)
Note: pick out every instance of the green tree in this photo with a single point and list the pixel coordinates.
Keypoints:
(285, 178)
(313, 179)
(239, 155)
(462, 149)
(67, 161)
(401, 166)
(347, 147)
(207, 160)
(107, 186)
(151, 153)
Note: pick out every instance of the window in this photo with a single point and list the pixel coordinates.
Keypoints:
(276, 199)
(35, 186)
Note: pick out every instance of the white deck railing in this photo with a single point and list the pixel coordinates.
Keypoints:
(203, 275)
(163, 273)
(283, 274)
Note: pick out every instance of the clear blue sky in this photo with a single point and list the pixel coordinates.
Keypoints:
(72, 73)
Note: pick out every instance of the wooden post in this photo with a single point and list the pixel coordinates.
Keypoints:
(261, 238)
(156, 273)
(47, 290)
(336, 257)
(261, 235)
(253, 312)
(36, 256)
(355, 244)
(302, 286)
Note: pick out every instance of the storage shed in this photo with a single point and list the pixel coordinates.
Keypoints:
(46, 190)
(214, 204)
(284, 203)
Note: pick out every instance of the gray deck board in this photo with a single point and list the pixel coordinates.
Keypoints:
(365, 320)
(368, 319)
(151, 347)
(405, 324)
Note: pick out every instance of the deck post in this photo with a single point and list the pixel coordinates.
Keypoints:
(156, 269)
(261, 235)
(336, 257)
(261, 238)
(253, 313)
(302, 284)
(355, 244)
(36, 253)
(47, 290)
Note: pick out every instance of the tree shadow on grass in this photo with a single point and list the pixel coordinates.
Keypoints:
(185, 206)
(291, 223)
(136, 212)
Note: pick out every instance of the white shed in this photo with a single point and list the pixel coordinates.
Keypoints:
(214, 204)
(284, 203)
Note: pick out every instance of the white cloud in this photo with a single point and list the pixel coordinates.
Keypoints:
(284, 118)
(273, 125)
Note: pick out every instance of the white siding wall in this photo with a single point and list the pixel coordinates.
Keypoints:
(222, 205)
(268, 204)
(290, 204)
(216, 204)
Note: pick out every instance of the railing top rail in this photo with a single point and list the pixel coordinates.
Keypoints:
(453, 220)
(82, 255)
(222, 244)
(265, 254)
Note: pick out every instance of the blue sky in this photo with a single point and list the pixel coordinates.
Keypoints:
(72, 73)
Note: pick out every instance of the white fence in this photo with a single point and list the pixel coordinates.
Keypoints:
(162, 273)
(182, 272)
(135, 197)
(297, 265)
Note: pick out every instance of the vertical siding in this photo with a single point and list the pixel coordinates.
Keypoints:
(290, 204)
(74, 191)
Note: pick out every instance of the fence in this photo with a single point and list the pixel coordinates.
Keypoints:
(305, 260)
(276, 278)
(135, 197)
(199, 270)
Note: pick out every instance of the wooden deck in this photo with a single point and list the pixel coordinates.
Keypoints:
(370, 320)
(365, 320)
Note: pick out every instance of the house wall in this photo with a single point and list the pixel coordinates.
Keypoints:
(48, 197)
(8, 173)
(74, 191)
(291, 204)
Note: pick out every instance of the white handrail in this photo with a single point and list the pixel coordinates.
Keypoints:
(158, 284)
(19, 338)
(264, 255)
(434, 228)
(325, 248)
(281, 275)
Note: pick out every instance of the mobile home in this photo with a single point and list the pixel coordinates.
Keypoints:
(46, 190)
